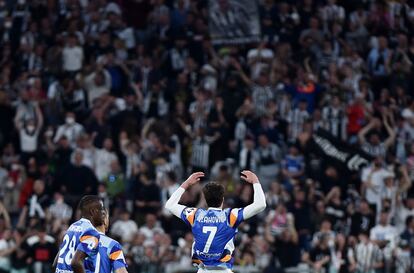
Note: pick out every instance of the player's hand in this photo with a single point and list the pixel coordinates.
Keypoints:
(192, 179)
(249, 176)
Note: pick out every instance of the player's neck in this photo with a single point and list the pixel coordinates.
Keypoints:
(101, 229)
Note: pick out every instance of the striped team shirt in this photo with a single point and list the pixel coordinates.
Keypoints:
(367, 255)
(335, 121)
(200, 153)
(261, 96)
(297, 119)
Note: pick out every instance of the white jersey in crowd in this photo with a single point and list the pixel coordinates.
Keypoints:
(373, 193)
(334, 119)
(297, 119)
(366, 255)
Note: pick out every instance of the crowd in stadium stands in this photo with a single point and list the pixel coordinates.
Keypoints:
(125, 98)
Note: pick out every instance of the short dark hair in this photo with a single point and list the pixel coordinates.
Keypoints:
(214, 194)
(87, 200)
(409, 220)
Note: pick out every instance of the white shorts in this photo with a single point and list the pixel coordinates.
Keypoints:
(202, 270)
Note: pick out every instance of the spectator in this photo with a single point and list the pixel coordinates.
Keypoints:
(6, 249)
(151, 228)
(104, 158)
(76, 180)
(363, 220)
(97, 84)
(293, 165)
(59, 212)
(42, 249)
(367, 256)
(269, 158)
(72, 55)
(372, 183)
(71, 130)
(115, 181)
(29, 133)
(147, 195)
(125, 228)
(37, 205)
(319, 257)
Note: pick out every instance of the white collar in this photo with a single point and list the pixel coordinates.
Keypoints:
(212, 208)
(87, 220)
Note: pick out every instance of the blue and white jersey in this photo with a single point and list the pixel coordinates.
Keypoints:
(82, 236)
(213, 231)
(110, 257)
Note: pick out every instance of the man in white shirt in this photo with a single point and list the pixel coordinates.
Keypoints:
(372, 182)
(259, 58)
(385, 236)
(384, 233)
(97, 84)
(151, 228)
(70, 129)
(124, 227)
(103, 159)
(403, 211)
(72, 55)
(29, 131)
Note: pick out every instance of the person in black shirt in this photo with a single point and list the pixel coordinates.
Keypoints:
(363, 220)
(335, 210)
(20, 254)
(319, 256)
(36, 206)
(147, 196)
(77, 180)
(286, 243)
(61, 156)
(301, 212)
(42, 250)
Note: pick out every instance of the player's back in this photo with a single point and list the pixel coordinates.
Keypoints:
(110, 256)
(82, 236)
(214, 231)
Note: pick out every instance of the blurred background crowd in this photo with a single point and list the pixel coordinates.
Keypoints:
(125, 98)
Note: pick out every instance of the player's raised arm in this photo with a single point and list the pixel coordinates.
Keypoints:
(172, 203)
(259, 199)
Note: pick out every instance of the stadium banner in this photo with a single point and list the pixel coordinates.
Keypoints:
(233, 21)
(331, 148)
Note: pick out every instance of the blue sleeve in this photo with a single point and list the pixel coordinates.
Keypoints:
(188, 215)
(89, 241)
(116, 257)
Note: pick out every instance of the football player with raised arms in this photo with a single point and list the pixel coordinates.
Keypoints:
(214, 228)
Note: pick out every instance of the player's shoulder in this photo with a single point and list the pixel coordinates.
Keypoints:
(191, 211)
(85, 227)
(77, 227)
(107, 241)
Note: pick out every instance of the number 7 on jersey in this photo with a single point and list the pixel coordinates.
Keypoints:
(212, 232)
